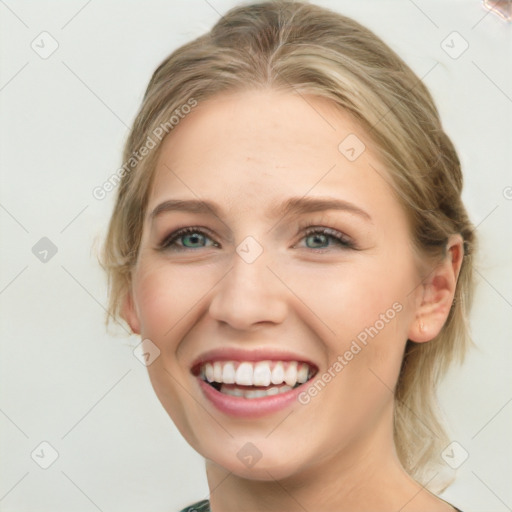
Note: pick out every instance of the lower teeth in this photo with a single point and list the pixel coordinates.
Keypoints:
(253, 393)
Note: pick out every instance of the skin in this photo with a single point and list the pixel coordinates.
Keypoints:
(248, 152)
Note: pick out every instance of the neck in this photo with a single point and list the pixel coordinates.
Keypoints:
(366, 476)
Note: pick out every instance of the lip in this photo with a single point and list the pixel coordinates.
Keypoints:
(250, 408)
(243, 407)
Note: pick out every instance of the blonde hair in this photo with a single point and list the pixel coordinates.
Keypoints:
(309, 49)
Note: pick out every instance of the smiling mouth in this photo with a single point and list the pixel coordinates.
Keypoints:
(254, 379)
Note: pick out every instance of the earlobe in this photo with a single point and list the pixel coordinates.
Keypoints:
(438, 291)
(129, 313)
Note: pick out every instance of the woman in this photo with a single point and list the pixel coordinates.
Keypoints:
(290, 243)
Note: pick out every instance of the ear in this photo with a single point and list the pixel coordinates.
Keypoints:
(129, 313)
(436, 293)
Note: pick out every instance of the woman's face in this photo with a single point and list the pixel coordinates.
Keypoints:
(250, 294)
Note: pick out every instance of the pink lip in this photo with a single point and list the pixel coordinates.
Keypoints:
(249, 408)
(245, 407)
(236, 354)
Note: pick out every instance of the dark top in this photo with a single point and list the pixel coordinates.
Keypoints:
(204, 506)
(200, 506)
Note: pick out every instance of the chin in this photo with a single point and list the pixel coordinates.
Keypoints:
(263, 470)
(257, 459)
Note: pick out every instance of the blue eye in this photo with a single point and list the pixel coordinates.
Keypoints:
(196, 238)
(191, 238)
(322, 236)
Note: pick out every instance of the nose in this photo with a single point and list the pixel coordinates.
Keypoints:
(249, 294)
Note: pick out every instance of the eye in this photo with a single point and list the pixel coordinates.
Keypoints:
(190, 238)
(321, 236)
(196, 238)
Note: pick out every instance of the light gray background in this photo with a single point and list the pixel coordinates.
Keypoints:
(63, 121)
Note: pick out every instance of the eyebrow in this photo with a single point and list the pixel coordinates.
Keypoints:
(292, 206)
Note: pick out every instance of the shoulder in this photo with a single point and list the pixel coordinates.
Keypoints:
(200, 506)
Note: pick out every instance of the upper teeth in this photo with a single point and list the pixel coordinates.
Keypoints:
(261, 373)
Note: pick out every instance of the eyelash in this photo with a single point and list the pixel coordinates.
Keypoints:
(310, 229)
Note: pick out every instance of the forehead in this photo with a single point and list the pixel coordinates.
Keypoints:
(251, 150)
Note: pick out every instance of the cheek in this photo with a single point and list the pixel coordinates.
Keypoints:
(165, 294)
(352, 296)
(366, 303)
